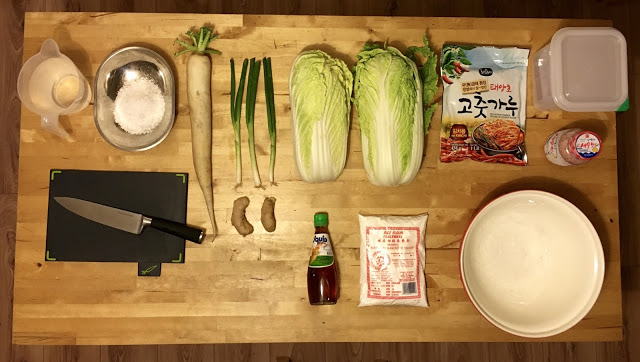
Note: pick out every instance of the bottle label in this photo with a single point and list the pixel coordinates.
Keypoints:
(393, 262)
(551, 149)
(321, 253)
(587, 145)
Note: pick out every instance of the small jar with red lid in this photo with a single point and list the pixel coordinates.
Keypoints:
(574, 146)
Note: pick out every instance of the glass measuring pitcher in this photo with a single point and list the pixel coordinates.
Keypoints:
(50, 84)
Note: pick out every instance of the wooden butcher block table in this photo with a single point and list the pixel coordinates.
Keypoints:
(254, 289)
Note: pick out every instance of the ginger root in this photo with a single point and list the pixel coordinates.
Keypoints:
(267, 216)
(238, 217)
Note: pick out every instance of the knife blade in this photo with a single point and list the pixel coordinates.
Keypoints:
(128, 221)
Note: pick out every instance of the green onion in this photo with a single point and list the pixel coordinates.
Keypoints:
(252, 89)
(271, 114)
(236, 111)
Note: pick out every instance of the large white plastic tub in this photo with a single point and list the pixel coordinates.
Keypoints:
(582, 70)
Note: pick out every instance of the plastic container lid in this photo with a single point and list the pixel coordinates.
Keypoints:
(589, 69)
(320, 219)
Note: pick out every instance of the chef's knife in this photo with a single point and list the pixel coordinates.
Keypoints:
(128, 221)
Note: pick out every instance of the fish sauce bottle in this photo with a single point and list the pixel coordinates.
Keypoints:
(322, 282)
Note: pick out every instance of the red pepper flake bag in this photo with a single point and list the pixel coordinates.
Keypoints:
(484, 104)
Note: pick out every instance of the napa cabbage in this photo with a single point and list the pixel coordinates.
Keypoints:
(392, 97)
(320, 93)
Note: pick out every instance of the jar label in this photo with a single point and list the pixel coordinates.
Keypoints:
(587, 145)
(551, 149)
(321, 253)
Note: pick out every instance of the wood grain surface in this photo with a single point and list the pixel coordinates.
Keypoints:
(11, 41)
(254, 289)
(619, 11)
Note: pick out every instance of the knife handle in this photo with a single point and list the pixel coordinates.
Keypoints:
(177, 229)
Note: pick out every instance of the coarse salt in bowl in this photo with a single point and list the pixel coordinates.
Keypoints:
(139, 106)
(128, 133)
(532, 263)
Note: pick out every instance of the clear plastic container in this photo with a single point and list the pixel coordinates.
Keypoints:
(582, 70)
(50, 84)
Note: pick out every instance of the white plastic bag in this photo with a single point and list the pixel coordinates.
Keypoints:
(392, 259)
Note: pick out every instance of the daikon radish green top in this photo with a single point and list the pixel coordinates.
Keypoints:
(320, 89)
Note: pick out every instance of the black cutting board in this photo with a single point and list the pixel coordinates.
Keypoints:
(71, 237)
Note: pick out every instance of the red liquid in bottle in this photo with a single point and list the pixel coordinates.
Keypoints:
(322, 283)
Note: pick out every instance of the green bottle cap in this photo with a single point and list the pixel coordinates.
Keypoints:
(320, 219)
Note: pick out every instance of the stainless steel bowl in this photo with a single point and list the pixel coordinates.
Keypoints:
(128, 64)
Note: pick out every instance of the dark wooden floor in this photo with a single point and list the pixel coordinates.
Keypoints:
(620, 11)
